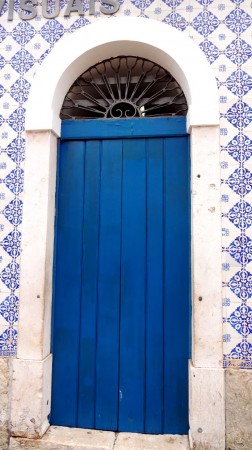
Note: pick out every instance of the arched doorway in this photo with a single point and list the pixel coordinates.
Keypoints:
(122, 256)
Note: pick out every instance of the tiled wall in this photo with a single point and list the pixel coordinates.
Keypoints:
(222, 29)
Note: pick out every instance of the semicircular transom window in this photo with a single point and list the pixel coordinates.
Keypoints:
(124, 87)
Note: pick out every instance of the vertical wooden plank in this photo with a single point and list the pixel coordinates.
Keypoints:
(87, 364)
(132, 331)
(109, 287)
(67, 284)
(177, 285)
(154, 292)
(97, 373)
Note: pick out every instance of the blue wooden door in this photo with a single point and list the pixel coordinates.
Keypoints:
(122, 271)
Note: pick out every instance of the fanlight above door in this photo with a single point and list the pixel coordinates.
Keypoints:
(124, 87)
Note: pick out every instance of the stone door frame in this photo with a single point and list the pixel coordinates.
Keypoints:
(109, 37)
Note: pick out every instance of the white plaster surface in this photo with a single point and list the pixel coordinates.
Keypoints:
(5, 380)
(37, 252)
(31, 397)
(207, 408)
(150, 39)
(206, 248)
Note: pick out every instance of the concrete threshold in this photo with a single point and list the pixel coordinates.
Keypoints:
(63, 438)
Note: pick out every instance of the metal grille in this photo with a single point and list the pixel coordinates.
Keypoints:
(124, 87)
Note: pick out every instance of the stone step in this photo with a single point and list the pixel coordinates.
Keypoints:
(135, 441)
(63, 438)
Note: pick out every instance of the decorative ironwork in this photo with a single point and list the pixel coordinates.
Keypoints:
(124, 87)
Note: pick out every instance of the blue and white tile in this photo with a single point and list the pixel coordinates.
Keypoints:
(8, 309)
(7, 134)
(8, 76)
(230, 338)
(5, 260)
(8, 47)
(7, 106)
(227, 99)
(229, 301)
(7, 166)
(37, 46)
(8, 340)
(222, 37)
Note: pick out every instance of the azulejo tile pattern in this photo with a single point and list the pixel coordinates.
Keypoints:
(222, 29)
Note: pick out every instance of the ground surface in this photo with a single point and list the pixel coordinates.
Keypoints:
(62, 438)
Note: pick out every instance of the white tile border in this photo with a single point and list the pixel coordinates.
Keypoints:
(177, 53)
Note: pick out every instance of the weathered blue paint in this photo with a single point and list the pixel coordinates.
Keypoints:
(122, 263)
(176, 283)
(107, 370)
(154, 286)
(88, 281)
(133, 290)
(123, 128)
(67, 283)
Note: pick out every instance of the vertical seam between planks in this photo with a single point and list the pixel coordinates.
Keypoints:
(120, 295)
(146, 273)
(164, 278)
(81, 289)
(97, 276)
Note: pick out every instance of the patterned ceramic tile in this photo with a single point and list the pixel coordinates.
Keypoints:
(8, 340)
(222, 30)
(8, 309)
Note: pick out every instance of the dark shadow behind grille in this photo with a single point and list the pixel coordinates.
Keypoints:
(126, 86)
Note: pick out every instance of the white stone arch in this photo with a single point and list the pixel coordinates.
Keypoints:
(69, 58)
(113, 37)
